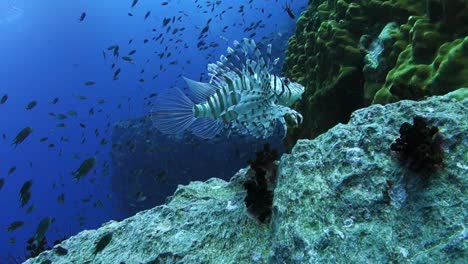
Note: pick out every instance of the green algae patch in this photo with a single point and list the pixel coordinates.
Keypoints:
(409, 80)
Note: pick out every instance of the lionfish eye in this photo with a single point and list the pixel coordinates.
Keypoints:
(286, 80)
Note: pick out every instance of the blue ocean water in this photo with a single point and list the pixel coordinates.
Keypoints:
(51, 57)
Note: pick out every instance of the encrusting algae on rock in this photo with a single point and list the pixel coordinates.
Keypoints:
(342, 197)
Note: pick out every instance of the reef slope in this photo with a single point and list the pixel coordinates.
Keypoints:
(333, 203)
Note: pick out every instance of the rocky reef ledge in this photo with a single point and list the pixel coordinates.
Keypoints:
(343, 197)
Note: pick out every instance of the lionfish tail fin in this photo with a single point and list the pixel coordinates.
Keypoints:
(173, 112)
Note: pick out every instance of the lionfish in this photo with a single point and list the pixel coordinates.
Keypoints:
(242, 95)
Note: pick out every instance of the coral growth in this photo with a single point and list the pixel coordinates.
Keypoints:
(432, 64)
(259, 198)
(419, 145)
(349, 54)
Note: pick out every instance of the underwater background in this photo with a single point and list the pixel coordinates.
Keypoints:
(375, 172)
(58, 81)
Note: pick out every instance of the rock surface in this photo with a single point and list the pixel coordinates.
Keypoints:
(340, 198)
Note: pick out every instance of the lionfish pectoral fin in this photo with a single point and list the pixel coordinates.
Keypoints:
(230, 113)
(199, 91)
(276, 61)
(173, 112)
(206, 127)
(262, 122)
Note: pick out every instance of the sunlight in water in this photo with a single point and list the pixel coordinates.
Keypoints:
(10, 11)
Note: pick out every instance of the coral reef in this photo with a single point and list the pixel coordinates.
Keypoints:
(332, 204)
(375, 64)
(446, 70)
(350, 54)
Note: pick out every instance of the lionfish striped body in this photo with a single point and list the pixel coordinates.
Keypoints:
(242, 95)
